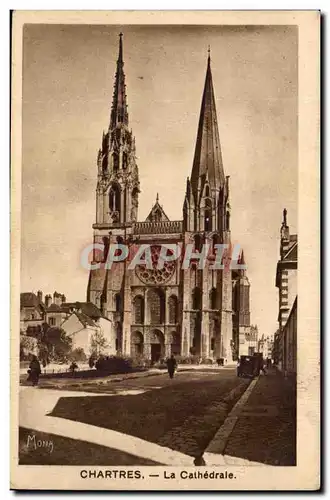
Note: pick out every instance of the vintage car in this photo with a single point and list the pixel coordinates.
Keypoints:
(248, 366)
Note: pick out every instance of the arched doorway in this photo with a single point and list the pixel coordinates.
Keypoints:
(136, 344)
(156, 345)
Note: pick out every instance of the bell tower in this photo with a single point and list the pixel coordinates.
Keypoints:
(117, 196)
(118, 178)
(207, 318)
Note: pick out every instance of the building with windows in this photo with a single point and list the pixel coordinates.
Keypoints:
(32, 311)
(80, 320)
(156, 312)
(265, 346)
(285, 340)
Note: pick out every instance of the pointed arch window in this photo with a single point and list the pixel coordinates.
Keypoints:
(139, 310)
(208, 216)
(125, 159)
(196, 298)
(156, 303)
(115, 158)
(117, 302)
(215, 241)
(198, 242)
(114, 198)
(207, 191)
(213, 298)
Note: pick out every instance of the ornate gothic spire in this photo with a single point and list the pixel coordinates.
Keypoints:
(208, 159)
(119, 105)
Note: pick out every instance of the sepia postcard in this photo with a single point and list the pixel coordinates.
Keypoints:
(164, 167)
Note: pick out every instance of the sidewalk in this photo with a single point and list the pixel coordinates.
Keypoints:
(265, 431)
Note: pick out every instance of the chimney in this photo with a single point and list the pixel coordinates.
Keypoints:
(57, 299)
(39, 294)
(63, 299)
(48, 300)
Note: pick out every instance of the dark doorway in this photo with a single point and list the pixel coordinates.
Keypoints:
(156, 350)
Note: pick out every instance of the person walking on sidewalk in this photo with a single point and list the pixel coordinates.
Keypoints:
(171, 365)
(34, 371)
(262, 366)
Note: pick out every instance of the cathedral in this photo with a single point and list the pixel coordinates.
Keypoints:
(158, 312)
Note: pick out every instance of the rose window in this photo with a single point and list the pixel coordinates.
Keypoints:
(156, 276)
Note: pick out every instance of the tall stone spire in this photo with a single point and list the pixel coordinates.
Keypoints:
(207, 159)
(119, 113)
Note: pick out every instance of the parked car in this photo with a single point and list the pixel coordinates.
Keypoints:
(247, 366)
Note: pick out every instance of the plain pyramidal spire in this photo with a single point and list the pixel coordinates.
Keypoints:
(208, 159)
(119, 114)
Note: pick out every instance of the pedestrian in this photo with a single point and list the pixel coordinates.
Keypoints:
(73, 367)
(171, 365)
(262, 365)
(34, 371)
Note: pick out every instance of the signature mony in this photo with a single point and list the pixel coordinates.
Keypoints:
(34, 443)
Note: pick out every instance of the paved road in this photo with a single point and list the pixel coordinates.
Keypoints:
(182, 414)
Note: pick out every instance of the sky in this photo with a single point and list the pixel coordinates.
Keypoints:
(68, 76)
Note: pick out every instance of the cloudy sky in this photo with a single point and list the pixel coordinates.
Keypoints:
(68, 74)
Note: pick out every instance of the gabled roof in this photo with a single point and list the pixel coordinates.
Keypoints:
(54, 308)
(157, 213)
(84, 319)
(30, 299)
(87, 308)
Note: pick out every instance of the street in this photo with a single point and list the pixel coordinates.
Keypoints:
(182, 414)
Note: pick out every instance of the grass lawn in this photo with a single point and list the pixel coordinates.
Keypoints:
(65, 451)
(86, 384)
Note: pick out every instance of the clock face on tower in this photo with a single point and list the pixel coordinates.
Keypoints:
(156, 276)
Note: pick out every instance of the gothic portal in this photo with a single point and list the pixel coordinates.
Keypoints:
(158, 312)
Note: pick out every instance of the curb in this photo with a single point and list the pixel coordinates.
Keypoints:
(100, 383)
(215, 449)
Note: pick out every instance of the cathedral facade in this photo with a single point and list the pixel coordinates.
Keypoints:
(157, 312)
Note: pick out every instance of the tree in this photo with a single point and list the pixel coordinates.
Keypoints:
(54, 344)
(27, 347)
(78, 354)
(99, 344)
